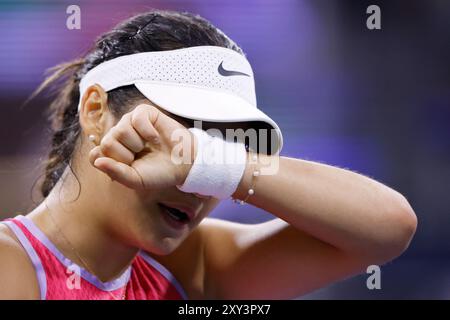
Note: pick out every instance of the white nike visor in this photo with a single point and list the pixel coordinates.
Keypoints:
(207, 83)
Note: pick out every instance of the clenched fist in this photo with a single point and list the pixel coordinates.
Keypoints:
(139, 150)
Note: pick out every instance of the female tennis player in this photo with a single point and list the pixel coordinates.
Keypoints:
(131, 178)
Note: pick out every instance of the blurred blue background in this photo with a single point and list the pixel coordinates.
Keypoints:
(376, 102)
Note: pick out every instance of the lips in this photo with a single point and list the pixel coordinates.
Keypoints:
(183, 208)
(177, 215)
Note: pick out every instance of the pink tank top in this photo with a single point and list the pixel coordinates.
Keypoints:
(61, 279)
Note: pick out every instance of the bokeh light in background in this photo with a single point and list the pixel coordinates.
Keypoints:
(376, 102)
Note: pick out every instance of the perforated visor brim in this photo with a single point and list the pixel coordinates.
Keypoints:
(198, 103)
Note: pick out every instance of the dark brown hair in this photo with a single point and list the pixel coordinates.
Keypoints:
(150, 31)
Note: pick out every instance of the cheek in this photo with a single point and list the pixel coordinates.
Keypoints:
(123, 199)
(130, 212)
(132, 215)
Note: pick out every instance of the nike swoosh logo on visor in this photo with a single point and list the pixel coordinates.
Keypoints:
(227, 73)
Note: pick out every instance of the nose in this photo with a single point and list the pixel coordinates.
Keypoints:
(201, 196)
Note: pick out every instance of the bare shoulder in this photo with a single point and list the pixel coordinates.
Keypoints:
(17, 275)
(188, 262)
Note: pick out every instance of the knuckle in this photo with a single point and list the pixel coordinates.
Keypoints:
(121, 132)
(107, 145)
(142, 108)
(94, 152)
(136, 121)
(148, 134)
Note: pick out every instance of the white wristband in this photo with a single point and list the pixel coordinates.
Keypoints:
(218, 166)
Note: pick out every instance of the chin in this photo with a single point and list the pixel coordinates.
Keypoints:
(164, 246)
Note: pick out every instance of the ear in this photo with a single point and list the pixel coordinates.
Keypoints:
(94, 114)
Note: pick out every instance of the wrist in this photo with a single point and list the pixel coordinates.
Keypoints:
(246, 187)
(218, 166)
(257, 165)
(246, 180)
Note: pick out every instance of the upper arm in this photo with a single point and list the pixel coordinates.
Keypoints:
(17, 276)
(270, 260)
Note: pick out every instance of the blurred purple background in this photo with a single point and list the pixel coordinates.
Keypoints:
(376, 102)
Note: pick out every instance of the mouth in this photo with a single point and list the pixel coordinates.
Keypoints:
(176, 216)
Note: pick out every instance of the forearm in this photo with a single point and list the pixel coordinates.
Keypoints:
(345, 209)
